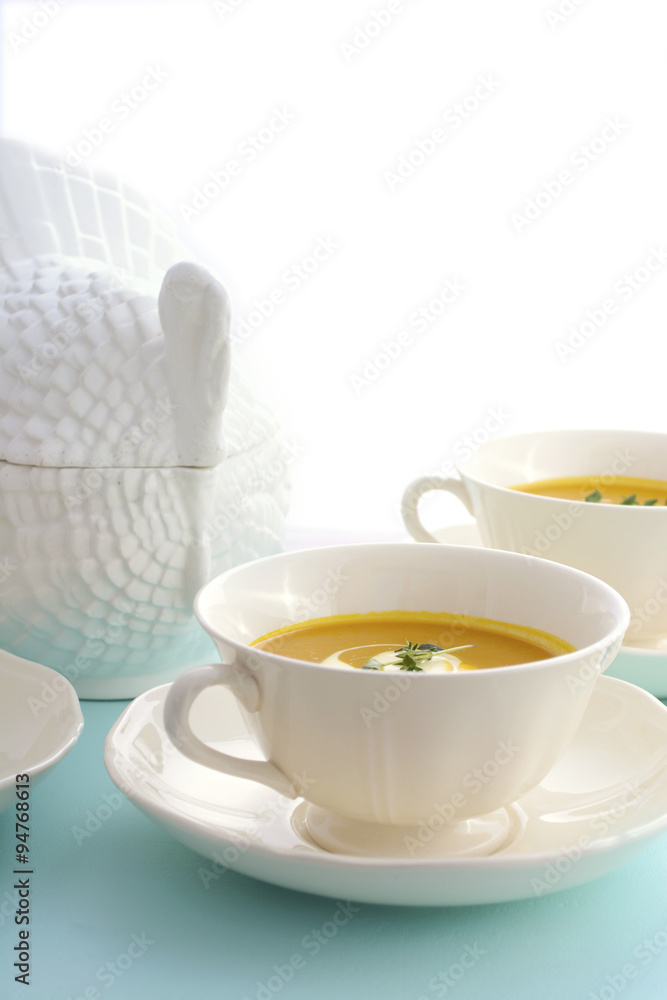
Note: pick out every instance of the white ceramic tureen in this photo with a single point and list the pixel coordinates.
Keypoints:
(134, 462)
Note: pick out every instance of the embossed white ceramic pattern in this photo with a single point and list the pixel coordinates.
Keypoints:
(40, 721)
(647, 668)
(625, 546)
(601, 805)
(133, 465)
(377, 747)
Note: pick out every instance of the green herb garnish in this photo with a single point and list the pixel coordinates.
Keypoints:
(634, 502)
(412, 654)
(372, 664)
(631, 501)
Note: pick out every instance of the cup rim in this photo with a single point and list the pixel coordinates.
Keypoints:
(554, 432)
(541, 498)
(617, 632)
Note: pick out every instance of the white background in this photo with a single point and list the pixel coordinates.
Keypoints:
(360, 103)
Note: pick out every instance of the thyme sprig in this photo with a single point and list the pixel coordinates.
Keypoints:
(412, 655)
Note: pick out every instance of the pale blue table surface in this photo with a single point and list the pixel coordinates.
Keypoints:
(130, 878)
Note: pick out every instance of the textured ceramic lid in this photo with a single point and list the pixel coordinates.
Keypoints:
(105, 360)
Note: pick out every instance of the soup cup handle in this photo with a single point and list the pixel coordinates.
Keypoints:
(178, 704)
(415, 491)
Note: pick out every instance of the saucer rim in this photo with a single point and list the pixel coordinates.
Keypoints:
(643, 652)
(22, 673)
(320, 857)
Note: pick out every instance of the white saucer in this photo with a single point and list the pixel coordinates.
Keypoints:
(647, 668)
(600, 806)
(40, 721)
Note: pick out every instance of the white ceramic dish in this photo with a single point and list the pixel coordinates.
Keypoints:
(597, 808)
(40, 721)
(647, 668)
